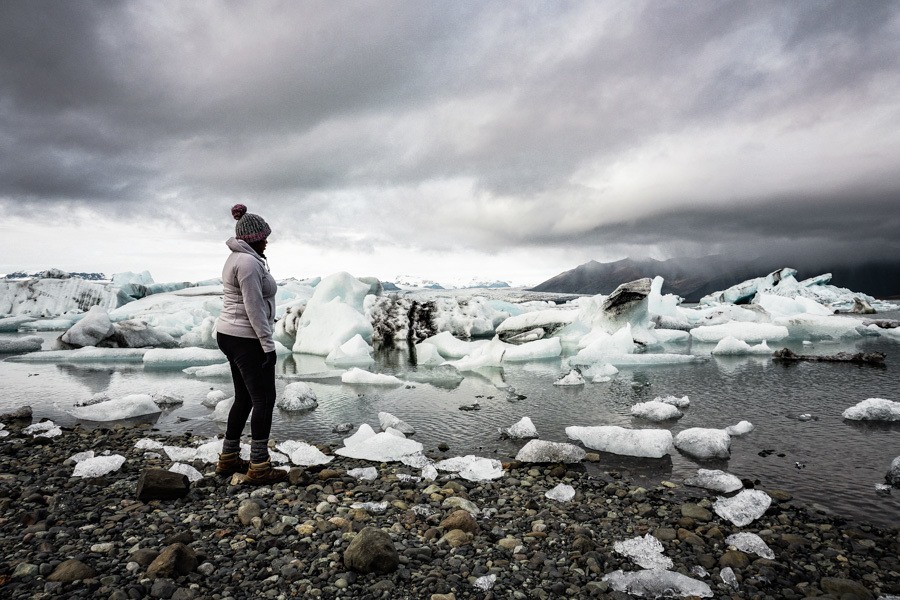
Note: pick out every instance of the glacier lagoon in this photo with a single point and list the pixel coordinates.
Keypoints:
(800, 442)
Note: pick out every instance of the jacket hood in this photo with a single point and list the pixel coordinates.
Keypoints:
(236, 245)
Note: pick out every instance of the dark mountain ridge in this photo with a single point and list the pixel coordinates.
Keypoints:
(693, 278)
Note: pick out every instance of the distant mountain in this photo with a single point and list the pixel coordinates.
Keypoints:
(55, 274)
(693, 278)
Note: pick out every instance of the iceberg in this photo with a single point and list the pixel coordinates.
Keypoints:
(601, 344)
(541, 451)
(750, 543)
(379, 447)
(451, 347)
(30, 343)
(657, 583)
(893, 474)
(46, 324)
(52, 297)
(12, 324)
(599, 371)
(178, 358)
(650, 360)
(715, 480)
(90, 330)
(782, 306)
(646, 443)
(472, 468)
(744, 508)
(682, 402)
(561, 493)
(703, 443)
(496, 352)
(355, 351)
(742, 428)
(389, 421)
(361, 377)
(573, 377)
(135, 333)
(549, 321)
(746, 332)
(874, 409)
(297, 396)
(98, 466)
(84, 355)
(817, 327)
(730, 346)
(521, 429)
(218, 371)
(427, 355)
(656, 411)
(646, 552)
(127, 407)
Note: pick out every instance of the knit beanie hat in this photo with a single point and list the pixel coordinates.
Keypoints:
(249, 227)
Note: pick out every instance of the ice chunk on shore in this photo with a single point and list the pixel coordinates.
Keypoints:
(704, 443)
(127, 407)
(386, 420)
(364, 473)
(573, 377)
(355, 351)
(364, 432)
(646, 552)
(561, 493)
(361, 377)
(148, 444)
(472, 468)
(542, 451)
(179, 454)
(750, 543)
(874, 409)
(99, 465)
(31, 343)
(657, 583)
(730, 346)
(523, 428)
(47, 429)
(179, 358)
(646, 443)
(746, 332)
(715, 480)
(742, 428)
(190, 472)
(728, 577)
(297, 396)
(303, 454)
(380, 447)
(744, 508)
(656, 411)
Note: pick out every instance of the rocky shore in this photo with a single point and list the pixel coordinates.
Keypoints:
(326, 534)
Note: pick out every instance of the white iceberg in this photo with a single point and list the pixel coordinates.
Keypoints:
(730, 346)
(657, 583)
(387, 420)
(451, 347)
(704, 443)
(750, 543)
(656, 411)
(355, 351)
(98, 466)
(646, 552)
(427, 355)
(542, 451)
(169, 358)
(747, 332)
(573, 377)
(521, 429)
(599, 371)
(817, 327)
(874, 409)
(297, 396)
(217, 371)
(31, 343)
(325, 327)
(127, 407)
(85, 355)
(744, 508)
(303, 454)
(561, 493)
(646, 443)
(715, 480)
(742, 428)
(187, 470)
(213, 398)
(361, 377)
(682, 402)
(650, 360)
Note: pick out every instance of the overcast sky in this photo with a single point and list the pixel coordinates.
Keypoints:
(449, 140)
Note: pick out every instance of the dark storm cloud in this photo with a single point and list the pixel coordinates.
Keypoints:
(435, 123)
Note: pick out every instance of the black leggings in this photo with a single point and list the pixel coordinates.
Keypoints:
(254, 387)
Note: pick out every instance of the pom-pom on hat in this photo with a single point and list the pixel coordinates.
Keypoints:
(249, 227)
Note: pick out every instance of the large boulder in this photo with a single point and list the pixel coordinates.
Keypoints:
(71, 570)
(159, 484)
(177, 559)
(372, 551)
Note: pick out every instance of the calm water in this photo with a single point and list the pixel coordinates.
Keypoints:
(842, 461)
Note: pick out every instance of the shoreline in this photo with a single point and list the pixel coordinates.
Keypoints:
(536, 547)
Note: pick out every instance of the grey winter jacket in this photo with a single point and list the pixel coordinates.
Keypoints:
(249, 307)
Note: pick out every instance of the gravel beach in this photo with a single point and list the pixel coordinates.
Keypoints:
(90, 537)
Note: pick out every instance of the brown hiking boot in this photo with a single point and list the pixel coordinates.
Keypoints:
(231, 463)
(265, 474)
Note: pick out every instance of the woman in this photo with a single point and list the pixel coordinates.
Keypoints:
(244, 334)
